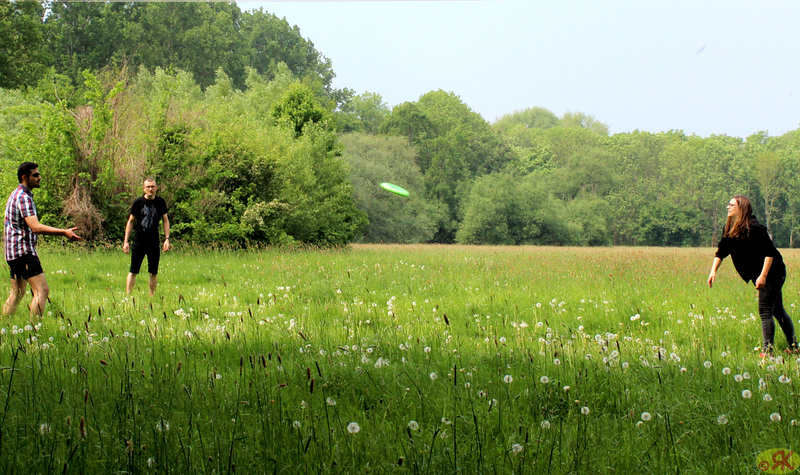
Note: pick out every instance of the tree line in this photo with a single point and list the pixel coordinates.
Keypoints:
(235, 114)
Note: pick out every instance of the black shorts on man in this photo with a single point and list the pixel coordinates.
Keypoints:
(25, 267)
(139, 250)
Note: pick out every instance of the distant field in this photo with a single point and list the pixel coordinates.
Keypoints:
(425, 359)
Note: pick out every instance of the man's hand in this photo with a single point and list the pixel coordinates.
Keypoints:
(126, 248)
(70, 234)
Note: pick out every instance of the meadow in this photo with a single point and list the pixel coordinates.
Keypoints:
(408, 359)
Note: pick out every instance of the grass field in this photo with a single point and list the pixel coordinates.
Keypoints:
(419, 359)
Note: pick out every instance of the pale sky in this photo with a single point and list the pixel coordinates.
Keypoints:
(705, 67)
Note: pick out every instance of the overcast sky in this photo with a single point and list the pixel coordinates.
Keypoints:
(705, 67)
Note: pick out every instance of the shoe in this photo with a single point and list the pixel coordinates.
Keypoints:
(792, 350)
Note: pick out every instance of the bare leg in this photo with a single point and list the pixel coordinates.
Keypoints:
(153, 283)
(40, 292)
(17, 291)
(130, 282)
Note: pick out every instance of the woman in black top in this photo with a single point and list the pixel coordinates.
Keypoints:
(756, 259)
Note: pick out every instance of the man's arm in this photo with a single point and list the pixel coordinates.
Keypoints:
(128, 228)
(167, 243)
(39, 228)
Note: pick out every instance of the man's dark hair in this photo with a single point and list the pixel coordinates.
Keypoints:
(25, 169)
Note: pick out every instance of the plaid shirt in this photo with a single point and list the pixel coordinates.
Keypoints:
(18, 238)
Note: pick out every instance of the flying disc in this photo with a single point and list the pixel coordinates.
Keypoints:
(394, 189)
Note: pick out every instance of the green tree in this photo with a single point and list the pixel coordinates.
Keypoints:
(23, 58)
(363, 113)
(454, 145)
(298, 107)
(392, 219)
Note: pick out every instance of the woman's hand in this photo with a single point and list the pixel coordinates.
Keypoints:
(711, 278)
(761, 282)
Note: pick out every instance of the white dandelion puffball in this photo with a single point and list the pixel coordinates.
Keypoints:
(738, 378)
(413, 425)
(747, 394)
(544, 379)
(545, 424)
(707, 364)
(353, 428)
(434, 376)
(516, 448)
(767, 397)
(775, 417)
(585, 410)
(646, 416)
(726, 371)
(722, 419)
(508, 378)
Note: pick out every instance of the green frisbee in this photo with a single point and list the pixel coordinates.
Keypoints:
(394, 189)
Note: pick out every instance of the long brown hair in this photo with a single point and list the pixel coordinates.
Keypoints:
(737, 226)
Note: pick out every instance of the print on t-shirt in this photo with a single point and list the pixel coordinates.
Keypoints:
(149, 216)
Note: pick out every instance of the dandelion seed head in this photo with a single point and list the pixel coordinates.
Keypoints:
(516, 448)
(722, 419)
(413, 425)
(353, 428)
(646, 416)
(747, 394)
(544, 380)
(775, 417)
(545, 424)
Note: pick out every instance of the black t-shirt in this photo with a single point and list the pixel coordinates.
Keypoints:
(148, 213)
(748, 253)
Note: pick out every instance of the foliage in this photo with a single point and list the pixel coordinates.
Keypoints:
(362, 113)
(228, 173)
(195, 37)
(454, 146)
(373, 160)
(23, 57)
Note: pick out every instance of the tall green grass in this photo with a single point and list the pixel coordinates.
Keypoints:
(420, 359)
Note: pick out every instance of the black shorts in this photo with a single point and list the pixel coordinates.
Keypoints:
(139, 250)
(25, 267)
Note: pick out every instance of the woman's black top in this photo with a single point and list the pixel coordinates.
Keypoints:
(748, 253)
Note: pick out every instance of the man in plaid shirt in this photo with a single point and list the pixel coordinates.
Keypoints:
(20, 229)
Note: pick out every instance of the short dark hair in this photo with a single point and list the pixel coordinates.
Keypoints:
(25, 169)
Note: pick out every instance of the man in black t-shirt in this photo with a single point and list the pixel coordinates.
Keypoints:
(146, 211)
